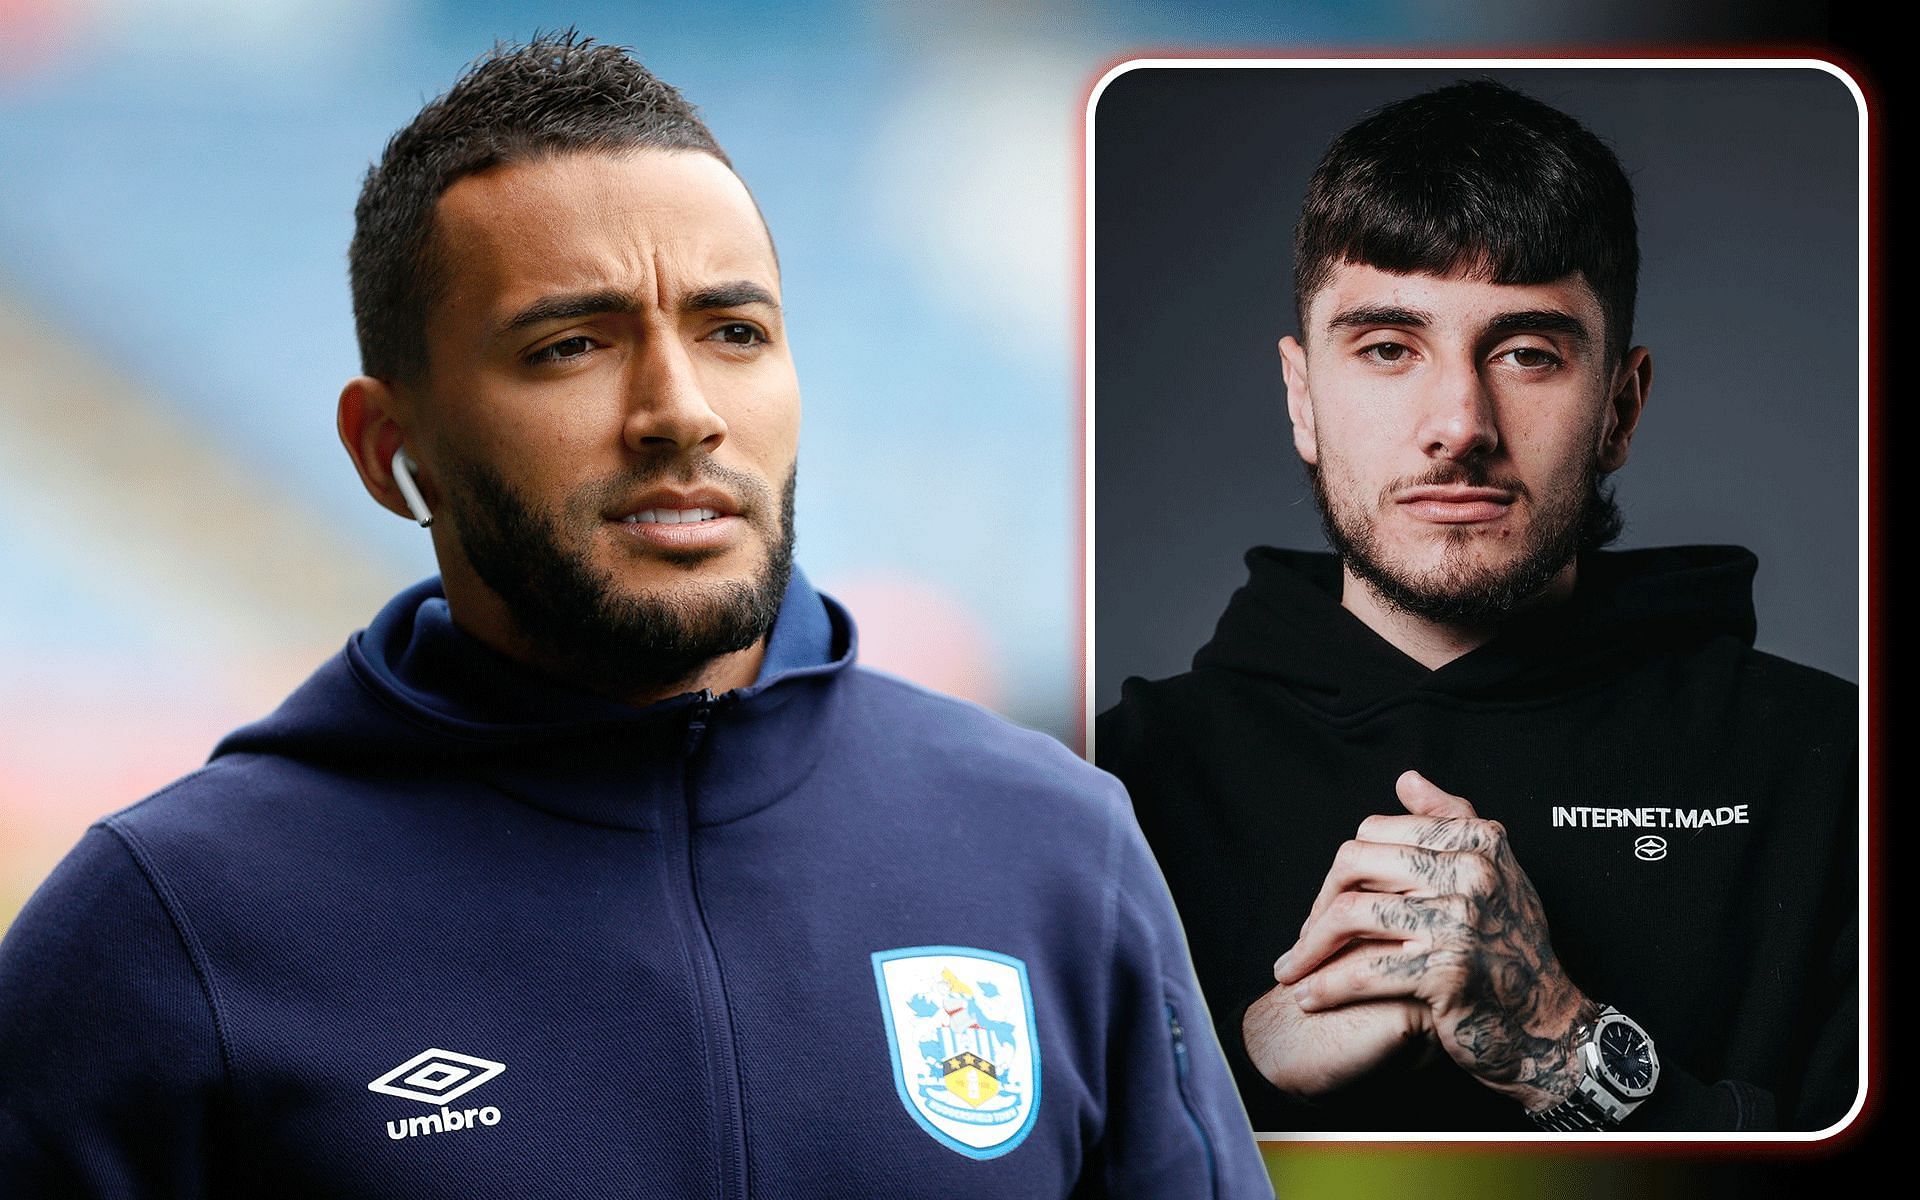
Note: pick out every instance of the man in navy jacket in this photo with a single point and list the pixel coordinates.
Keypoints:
(594, 866)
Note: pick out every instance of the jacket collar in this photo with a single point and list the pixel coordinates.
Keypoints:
(413, 696)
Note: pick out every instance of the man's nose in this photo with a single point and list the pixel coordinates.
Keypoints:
(667, 404)
(1457, 419)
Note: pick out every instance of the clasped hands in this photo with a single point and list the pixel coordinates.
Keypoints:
(1426, 930)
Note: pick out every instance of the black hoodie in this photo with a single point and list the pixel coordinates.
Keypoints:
(1637, 709)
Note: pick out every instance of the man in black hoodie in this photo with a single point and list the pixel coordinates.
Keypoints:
(1472, 823)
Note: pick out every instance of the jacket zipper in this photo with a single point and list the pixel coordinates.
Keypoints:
(1180, 1069)
(723, 1070)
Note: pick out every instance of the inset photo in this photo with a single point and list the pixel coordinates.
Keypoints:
(1474, 503)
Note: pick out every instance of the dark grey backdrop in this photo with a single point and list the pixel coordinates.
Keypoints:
(1747, 186)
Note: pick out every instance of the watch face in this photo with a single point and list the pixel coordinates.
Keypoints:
(1627, 1057)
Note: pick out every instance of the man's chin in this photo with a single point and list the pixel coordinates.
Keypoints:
(661, 576)
(619, 633)
(1473, 571)
(690, 595)
(1461, 586)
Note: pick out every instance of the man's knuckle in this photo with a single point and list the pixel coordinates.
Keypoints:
(1447, 976)
(1478, 877)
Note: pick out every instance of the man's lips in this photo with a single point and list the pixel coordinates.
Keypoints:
(1455, 504)
(701, 518)
(660, 503)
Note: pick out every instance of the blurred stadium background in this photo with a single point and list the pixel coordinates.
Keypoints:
(182, 539)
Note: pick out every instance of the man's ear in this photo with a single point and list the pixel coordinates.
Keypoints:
(369, 419)
(1632, 380)
(1293, 365)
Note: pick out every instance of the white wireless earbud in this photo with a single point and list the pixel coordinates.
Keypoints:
(403, 477)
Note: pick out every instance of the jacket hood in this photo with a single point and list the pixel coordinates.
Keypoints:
(412, 692)
(1286, 623)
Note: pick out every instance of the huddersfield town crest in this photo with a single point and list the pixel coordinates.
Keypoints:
(960, 1028)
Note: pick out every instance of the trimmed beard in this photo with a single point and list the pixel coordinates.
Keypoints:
(1571, 520)
(575, 616)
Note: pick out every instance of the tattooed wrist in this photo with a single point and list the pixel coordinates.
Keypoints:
(1559, 1072)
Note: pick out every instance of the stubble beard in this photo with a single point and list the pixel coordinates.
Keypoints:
(578, 619)
(1462, 590)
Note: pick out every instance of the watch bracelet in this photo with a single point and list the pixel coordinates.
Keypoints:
(1579, 1112)
(1576, 1114)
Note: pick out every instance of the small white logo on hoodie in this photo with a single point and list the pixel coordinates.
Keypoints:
(435, 1077)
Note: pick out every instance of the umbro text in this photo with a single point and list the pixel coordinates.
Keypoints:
(444, 1121)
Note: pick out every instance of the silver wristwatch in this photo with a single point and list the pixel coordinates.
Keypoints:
(1620, 1071)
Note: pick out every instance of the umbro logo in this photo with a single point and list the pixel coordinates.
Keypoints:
(436, 1077)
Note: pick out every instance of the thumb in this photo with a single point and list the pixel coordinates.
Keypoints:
(1423, 799)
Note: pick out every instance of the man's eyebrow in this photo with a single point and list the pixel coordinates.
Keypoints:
(1372, 314)
(569, 306)
(736, 294)
(1533, 320)
(1541, 320)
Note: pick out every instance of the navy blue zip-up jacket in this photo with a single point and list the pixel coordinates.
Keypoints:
(440, 928)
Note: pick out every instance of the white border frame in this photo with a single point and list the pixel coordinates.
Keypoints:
(1864, 231)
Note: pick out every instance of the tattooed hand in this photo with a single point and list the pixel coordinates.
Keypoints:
(1431, 906)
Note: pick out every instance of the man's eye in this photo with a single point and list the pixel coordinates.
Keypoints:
(738, 333)
(1386, 352)
(1531, 358)
(566, 348)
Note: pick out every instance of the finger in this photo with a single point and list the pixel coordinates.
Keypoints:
(1391, 867)
(1366, 916)
(1423, 798)
(1348, 915)
(1353, 978)
(1435, 833)
(1367, 867)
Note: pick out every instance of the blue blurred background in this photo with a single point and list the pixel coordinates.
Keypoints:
(181, 537)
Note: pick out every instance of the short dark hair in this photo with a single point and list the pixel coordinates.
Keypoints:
(1474, 177)
(559, 93)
